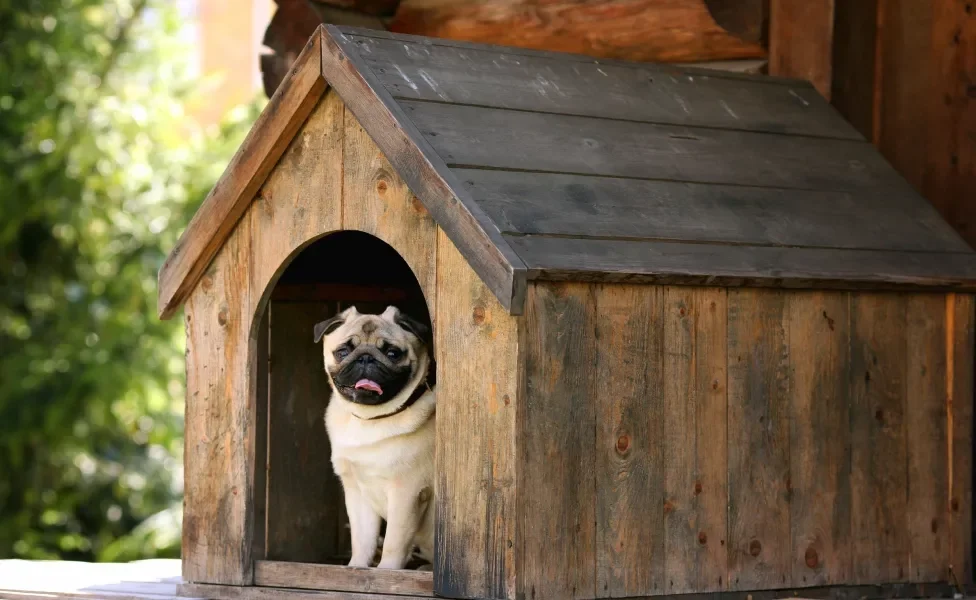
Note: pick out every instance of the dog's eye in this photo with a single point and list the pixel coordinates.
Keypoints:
(341, 353)
(393, 353)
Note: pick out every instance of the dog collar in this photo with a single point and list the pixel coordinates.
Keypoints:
(417, 393)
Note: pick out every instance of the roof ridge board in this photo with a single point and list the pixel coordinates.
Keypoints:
(664, 67)
(425, 172)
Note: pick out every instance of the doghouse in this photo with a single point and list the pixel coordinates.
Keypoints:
(693, 334)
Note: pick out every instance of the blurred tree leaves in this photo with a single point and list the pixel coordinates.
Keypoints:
(100, 170)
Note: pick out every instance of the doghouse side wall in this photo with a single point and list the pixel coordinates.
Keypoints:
(681, 439)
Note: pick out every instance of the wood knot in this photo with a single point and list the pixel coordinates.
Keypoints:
(755, 548)
(668, 507)
(954, 505)
(506, 400)
(623, 444)
(830, 322)
(879, 416)
(417, 206)
(222, 316)
(381, 186)
(681, 311)
(715, 385)
(207, 282)
(478, 315)
(698, 487)
(702, 538)
(811, 558)
(935, 525)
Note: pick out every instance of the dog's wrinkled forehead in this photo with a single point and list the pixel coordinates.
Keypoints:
(370, 330)
(352, 326)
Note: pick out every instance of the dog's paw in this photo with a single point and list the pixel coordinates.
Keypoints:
(358, 562)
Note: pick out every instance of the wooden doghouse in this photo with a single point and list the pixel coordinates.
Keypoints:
(693, 334)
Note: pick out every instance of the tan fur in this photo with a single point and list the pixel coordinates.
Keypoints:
(386, 465)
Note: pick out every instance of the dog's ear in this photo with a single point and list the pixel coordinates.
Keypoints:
(328, 326)
(415, 327)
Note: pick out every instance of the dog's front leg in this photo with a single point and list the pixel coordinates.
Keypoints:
(364, 525)
(405, 512)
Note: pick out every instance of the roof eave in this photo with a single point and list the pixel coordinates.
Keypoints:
(247, 171)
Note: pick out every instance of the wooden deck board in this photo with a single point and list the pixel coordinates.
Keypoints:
(161, 580)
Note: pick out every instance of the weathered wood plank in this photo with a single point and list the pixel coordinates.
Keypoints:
(262, 372)
(226, 592)
(376, 200)
(305, 510)
(854, 63)
(678, 414)
(423, 171)
(477, 349)
(637, 92)
(926, 424)
(711, 485)
(343, 579)
(557, 258)
(961, 327)
(557, 421)
(758, 439)
(683, 67)
(217, 217)
(801, 41)
(300, 199)
(820, 438)
(546, 203)
(508, 139)
(630, 550)
(854, 592)
(879, 463)
(218, 463)
(643, 30)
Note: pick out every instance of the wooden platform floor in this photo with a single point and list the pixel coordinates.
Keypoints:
(156, 580)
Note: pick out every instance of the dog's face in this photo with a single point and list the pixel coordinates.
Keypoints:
(371, 359)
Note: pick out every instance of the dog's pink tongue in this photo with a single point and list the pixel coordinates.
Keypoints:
(367, 384)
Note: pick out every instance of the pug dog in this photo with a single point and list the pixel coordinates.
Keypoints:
(380, 422)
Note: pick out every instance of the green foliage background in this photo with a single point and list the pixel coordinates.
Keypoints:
(100, 169)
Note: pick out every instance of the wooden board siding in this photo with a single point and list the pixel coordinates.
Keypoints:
(630, 468)
(759, 362)
(879, 460)
(926, 424)
(745, 439)
(820, 439)
(961, 333)
(556, 454)
(218, 515)
(478, 399)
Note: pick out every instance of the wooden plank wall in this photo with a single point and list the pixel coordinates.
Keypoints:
(901, 72)
(704, 439)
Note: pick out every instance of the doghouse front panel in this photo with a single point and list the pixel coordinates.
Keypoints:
(702, 439)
